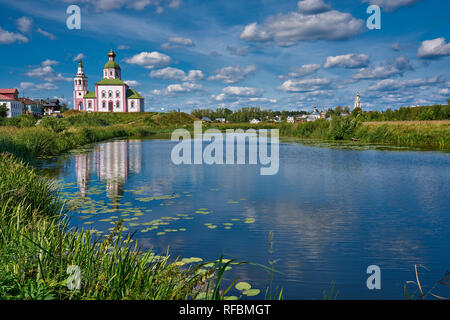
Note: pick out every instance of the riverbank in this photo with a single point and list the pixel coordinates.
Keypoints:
(433, 135)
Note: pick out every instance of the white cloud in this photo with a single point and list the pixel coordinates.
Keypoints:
(236, 92)
(304, 70)
(391, 5)
(434, 48)
(132, 83)
(312, 6)
(38, 86)
(107, 5)
(392, 84)
(397, 68)
(170, 73)
(46, 34)
(177, 42)
(79, 57)
(242, 51)
(232, 74)
(49, 62)
(149, 60)
(305, 85)
(123, 47)
(7, 37)
(24, 24)
(293, 27)
(179, 88)
(347, 61)
(45, 71)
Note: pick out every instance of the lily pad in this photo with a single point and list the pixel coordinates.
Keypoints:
(251, 292)
(243, 286)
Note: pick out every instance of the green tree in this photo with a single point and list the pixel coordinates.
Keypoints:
(3, 110)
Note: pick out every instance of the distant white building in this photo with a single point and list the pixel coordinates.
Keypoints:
(255, 121)
(290, 119)
(357, 103)
(10, 98)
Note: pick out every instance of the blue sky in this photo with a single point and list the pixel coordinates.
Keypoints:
(226, 53)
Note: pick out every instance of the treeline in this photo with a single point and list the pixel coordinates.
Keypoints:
(243, 114)
(435, 112)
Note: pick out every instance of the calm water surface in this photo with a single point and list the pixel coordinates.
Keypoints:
(333, 212)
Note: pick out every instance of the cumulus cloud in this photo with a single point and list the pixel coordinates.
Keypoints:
(237, 92)
(132, 83)
(242, 51)
(149, 60)
(38, 86)
(391, 5)
(7, 37)
(46, 34)
(293, 27)
(170, 73)
(79, 57)
(107, 5)
(434, 48)
(46, 72)
(232, 74)
(347, 61)
(305, 85)
(392, 84)
(24, 24)
(179, 88)
(304, 70)
(397, 68)
(312, 6)
(177, 42)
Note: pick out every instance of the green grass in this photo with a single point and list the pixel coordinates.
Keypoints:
(431, 135)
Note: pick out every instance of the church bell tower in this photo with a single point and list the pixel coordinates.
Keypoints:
(80, 88)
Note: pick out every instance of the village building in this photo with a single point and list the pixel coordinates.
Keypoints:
(111, 94)
(290, 119)
(255, 121)
(50, 107)
(31, 107)
(10, 98)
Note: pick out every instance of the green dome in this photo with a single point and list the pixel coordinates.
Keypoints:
(111, 64)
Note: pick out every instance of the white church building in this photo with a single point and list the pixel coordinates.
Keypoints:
(111, 93)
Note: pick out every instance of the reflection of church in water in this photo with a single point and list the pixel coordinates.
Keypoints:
(113, 162)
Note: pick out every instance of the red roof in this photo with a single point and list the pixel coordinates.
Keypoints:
(26, 100)
(12, 90)
(3, 97)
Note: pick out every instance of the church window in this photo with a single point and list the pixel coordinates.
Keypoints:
(132, 104)
(103, 104)
(117, 94)
(110, 94)
(90, 104)
(103, 94)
